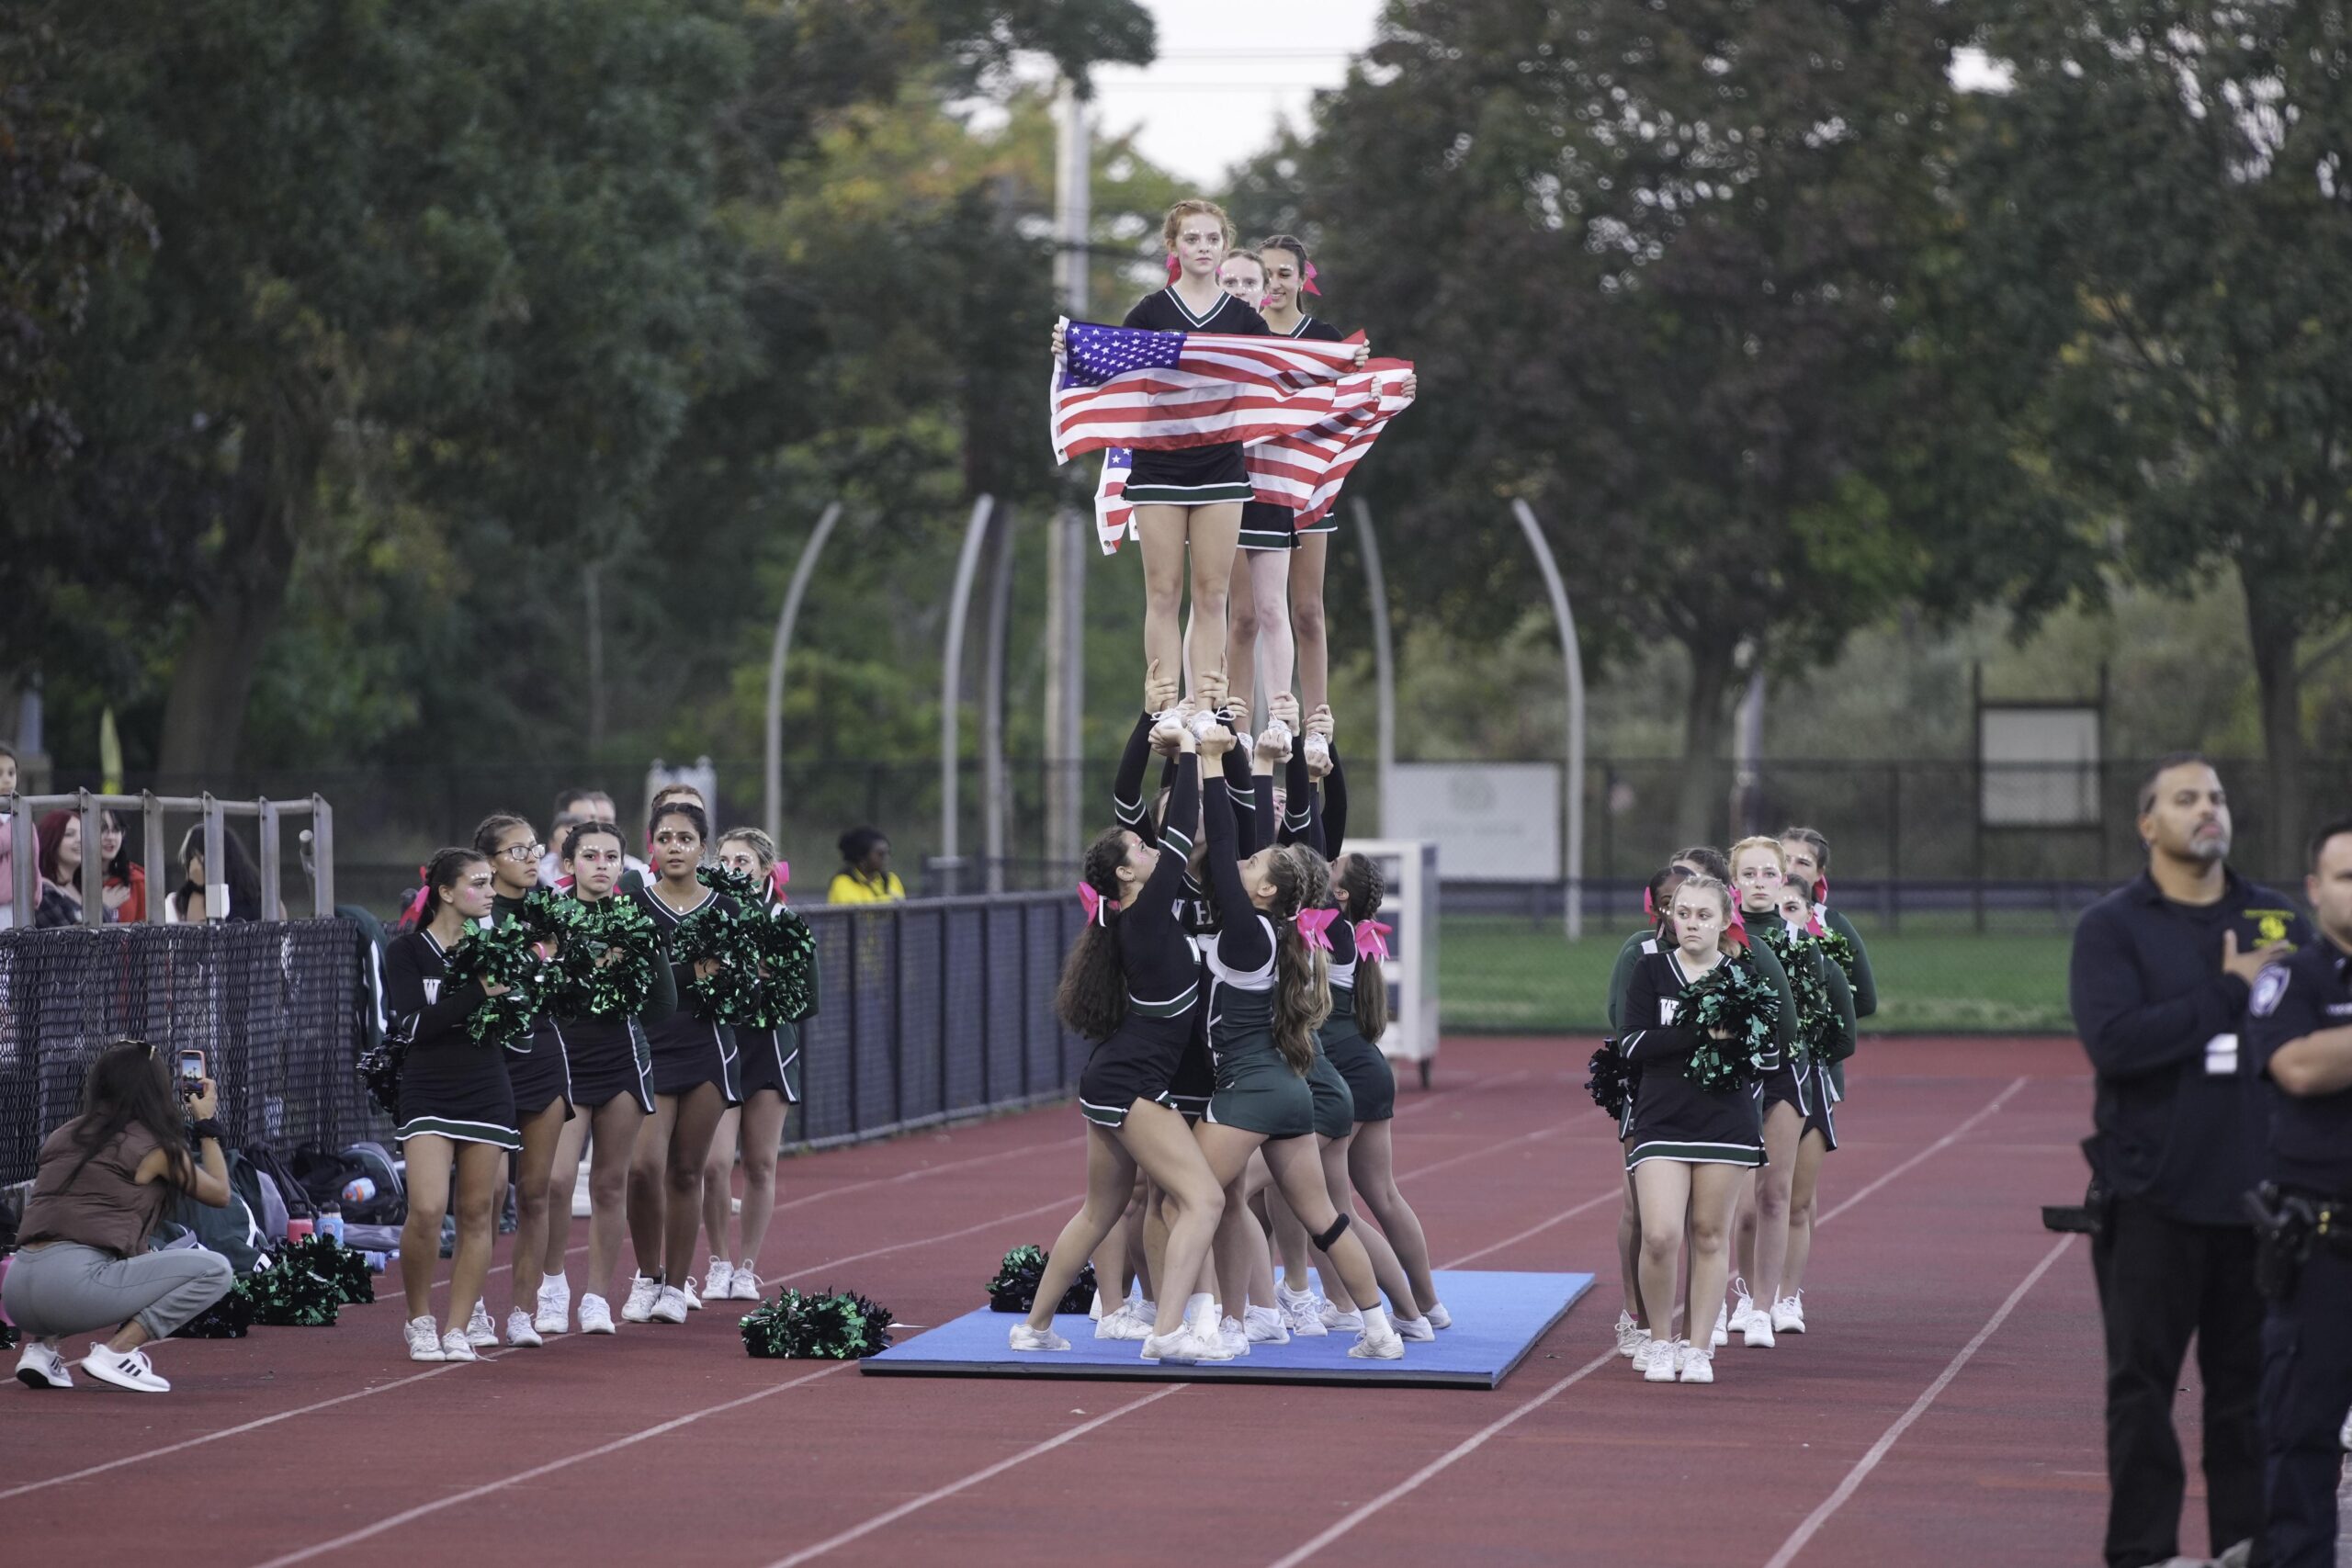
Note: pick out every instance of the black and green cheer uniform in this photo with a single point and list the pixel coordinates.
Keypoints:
(1829, 1054)
(1863, 986)
(690, 1051)
(1162, 975)
(1336, 1112)
(451, 1085)
(1669, 1117)
(536, 1066)
(1257, 1088)
(612, 1057)
(1264, 525)
(1372, 1082)
(771, 1057)
(1192, 475)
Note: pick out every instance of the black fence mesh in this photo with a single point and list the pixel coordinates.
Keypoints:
(930, 1011)
(277, 1010)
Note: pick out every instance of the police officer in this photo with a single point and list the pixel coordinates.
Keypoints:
(2159, 981)
(2299, 1036)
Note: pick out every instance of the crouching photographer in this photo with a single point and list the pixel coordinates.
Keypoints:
(104, 1179)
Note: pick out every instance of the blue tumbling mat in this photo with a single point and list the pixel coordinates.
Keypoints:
(1498, 1318)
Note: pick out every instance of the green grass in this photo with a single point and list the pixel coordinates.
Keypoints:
(1501, 974)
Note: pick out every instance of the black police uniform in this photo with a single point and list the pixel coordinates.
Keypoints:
(2307, 1338)
(2176, 1148)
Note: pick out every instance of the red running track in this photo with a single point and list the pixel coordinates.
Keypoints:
(1945, 1407)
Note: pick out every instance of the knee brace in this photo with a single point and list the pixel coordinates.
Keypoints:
(1338, 1228)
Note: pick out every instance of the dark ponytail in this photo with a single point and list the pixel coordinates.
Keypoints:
(1092, 999)
(445, 868)
(129, 1084)
(494, 827)
(1366, 886)
(1302, 974)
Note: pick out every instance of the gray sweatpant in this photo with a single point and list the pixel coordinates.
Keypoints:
(66, 1288)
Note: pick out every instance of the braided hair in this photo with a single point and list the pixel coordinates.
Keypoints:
(1365, 886)
(1302, 974)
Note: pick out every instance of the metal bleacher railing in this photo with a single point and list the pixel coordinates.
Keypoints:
(25, 811)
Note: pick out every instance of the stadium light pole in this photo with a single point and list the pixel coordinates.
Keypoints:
(1574, 783)
(1064, 536)
(992, 781)
(784, 621)
(950, 683)
(1384, 660)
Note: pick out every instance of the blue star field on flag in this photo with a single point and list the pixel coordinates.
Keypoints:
(1092, 355)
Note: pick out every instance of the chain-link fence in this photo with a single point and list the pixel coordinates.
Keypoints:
(277, 1010)
(930, 1012)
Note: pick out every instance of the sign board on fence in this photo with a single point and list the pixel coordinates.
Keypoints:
(2040, 765)
(1491, 821)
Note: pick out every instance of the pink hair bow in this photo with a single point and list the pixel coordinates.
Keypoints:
(423, 891)
(1821, 891)
(1097, 908)
(1175, 269)
(1739, 922)
(1813, 923)
(1310, 279)
(1650, 906)
(1315, 928)
(1372, 939)
(780, 876)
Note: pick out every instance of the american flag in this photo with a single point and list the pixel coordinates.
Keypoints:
(1306, 412)
(1125, 386)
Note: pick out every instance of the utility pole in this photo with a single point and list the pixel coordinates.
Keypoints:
(1066, 535)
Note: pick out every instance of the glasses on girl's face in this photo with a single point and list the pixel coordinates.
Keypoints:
(518, 853)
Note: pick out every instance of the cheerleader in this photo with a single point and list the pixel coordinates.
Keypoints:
(1336, 1112)
(695, 1077)
(1289, 278)
(1687, 1147)
(771, 1087)
(1785, 1096)
(1350, 1038)
(542, 1085)
(1269, 993)
(1132, 984)
(1188, 502)
(1808, 857)
(610, 1063)
(457, 1110)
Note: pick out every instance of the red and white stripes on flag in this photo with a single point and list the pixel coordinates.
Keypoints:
(1304, 412)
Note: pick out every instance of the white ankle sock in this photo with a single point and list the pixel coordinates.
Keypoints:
(1375, 1321)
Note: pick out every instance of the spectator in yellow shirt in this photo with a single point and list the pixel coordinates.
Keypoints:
(866, 877)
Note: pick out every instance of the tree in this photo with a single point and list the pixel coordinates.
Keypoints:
(1652, 264)
(2160, 229)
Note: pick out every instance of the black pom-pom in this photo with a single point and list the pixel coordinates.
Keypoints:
(503, 955)
(1734, 997)
(230, 1317)
(1015, 1289)
(829, 1326)
(1611, 1083)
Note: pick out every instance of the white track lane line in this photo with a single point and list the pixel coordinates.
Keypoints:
(1940, 1144)
(187, 1443)
(487, 1487)
(978, 1476)
(1869, 1461)
(1535, 1229)
(1471, 1444)
(1424, 1102)
(1461, 1451)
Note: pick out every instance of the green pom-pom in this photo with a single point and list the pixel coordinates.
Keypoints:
(720, 934)
(829, 1326)
(604, 962)
(503, 955)
(1734, 997)
(1015, 1289)
(1800, 955)
(740, 886)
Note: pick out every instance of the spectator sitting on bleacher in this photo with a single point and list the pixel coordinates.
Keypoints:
(60, 834)
(193, 899)
(866, 877)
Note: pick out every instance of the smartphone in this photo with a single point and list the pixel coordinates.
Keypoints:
(191, 1073)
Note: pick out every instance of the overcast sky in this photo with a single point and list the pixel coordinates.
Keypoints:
(1226, 78)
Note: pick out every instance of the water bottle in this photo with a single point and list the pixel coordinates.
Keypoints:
(362, 1190)
(331, 1219)
(376, 1261)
